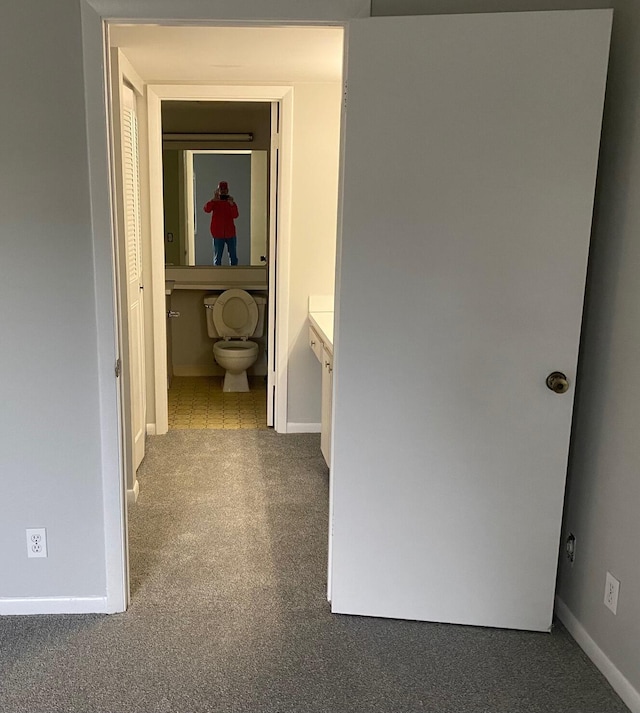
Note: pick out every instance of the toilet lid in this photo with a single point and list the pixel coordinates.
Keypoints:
(235, 314)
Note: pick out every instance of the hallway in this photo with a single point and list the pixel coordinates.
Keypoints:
(228, 568)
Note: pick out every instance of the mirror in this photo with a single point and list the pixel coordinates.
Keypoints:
(219, 138)
(190, 177)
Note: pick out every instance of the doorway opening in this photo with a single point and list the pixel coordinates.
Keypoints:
(301, 263)
(204, 143)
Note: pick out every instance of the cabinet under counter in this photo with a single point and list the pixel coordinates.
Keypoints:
(320, 338)
(322, 324)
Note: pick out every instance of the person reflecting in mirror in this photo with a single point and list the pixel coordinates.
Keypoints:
(223, 211)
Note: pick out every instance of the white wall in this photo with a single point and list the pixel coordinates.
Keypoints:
(604, 486)
(50, 467)
(316, 137)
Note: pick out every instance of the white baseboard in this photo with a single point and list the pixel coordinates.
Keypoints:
(151, 429)
(132, 495)
(619, 683)
(304, 427)
(52, 605)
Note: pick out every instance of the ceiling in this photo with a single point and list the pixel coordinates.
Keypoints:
(232, 54)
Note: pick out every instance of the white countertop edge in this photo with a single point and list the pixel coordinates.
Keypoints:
(322, 322)
(216, 286)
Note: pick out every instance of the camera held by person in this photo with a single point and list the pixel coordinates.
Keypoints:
(223, 211)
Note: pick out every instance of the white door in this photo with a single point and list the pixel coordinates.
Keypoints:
(134, 292)
(471, 145)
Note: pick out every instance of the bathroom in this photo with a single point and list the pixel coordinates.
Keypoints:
(204, 143)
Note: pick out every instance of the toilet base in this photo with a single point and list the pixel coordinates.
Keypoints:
(236, 382)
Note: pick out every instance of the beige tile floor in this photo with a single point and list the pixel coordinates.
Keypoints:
(199, 402)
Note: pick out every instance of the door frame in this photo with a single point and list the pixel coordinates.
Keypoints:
(94, 17)
(282, 94)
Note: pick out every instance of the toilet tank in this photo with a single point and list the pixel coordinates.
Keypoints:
(261, 302)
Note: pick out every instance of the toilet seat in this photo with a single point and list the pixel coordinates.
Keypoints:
(235, 314)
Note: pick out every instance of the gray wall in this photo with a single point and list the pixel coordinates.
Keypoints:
(209, 170)
(50, 469)
(604, 481)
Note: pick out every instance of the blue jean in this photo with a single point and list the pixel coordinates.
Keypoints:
(218, 249)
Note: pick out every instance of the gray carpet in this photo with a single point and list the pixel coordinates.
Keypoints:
(228, 552)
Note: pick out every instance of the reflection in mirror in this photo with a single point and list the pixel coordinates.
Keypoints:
(197, 174)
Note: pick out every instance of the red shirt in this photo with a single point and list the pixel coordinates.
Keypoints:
(222, 216)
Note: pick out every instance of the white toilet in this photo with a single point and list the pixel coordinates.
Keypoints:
(233, 317)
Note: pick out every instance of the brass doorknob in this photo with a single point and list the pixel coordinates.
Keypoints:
(558, 382)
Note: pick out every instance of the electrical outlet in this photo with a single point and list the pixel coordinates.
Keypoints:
(611, 590)
(36, 542)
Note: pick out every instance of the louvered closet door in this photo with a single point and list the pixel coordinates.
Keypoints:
(135, 303)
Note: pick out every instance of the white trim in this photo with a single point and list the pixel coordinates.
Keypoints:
(53, 605)
(130, 74)
(132, 494)
(618, 681)
(151, 429)
(156, 93)
(238, 12)
(156, 262)
(272, 240)
(283, 260)
(303, 427)
(336, 299)
(115, 528)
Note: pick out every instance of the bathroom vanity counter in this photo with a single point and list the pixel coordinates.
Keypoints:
(217, 278)
(213, 285)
